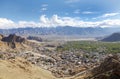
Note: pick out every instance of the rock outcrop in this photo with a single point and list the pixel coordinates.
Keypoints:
(35, 38)
(12, 39)
(108, 69)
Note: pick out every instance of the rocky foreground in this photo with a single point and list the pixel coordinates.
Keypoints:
(23, 55)
(108, 69)
(21, 69)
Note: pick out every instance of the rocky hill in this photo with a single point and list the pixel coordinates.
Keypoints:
(34, 38)
(108, 69)
(112, 38)
(14, 43)
(13, 38)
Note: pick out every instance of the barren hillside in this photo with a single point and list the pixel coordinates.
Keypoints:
(20, 69)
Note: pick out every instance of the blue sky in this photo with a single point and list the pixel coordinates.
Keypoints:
(54, 12)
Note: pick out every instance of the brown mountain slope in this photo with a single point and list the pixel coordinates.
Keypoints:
(20, 69)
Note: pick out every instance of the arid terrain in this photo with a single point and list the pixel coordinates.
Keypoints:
(21, 69)
(22, 58)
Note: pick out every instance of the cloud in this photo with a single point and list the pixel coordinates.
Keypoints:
(109, 15)
(72, 1)
(87, 12)
(56, 20)
(110, 23)
(43, 9)
(23, 24)
(6, 23)
(77, 11)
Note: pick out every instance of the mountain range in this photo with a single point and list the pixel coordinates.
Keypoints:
(67, 30)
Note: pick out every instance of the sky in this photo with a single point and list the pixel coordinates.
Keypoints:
(53, 13)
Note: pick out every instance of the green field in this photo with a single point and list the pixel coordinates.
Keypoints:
(91, 46)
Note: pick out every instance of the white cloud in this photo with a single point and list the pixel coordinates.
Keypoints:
(56, 20)
(23, 24)
(72, 1)
(43, 19)
(6, 23)
(43, 9)
(77, 11)
(87, 12)
(109, 15)
(111, 23)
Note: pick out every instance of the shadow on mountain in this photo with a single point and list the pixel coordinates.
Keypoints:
(112, 38)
